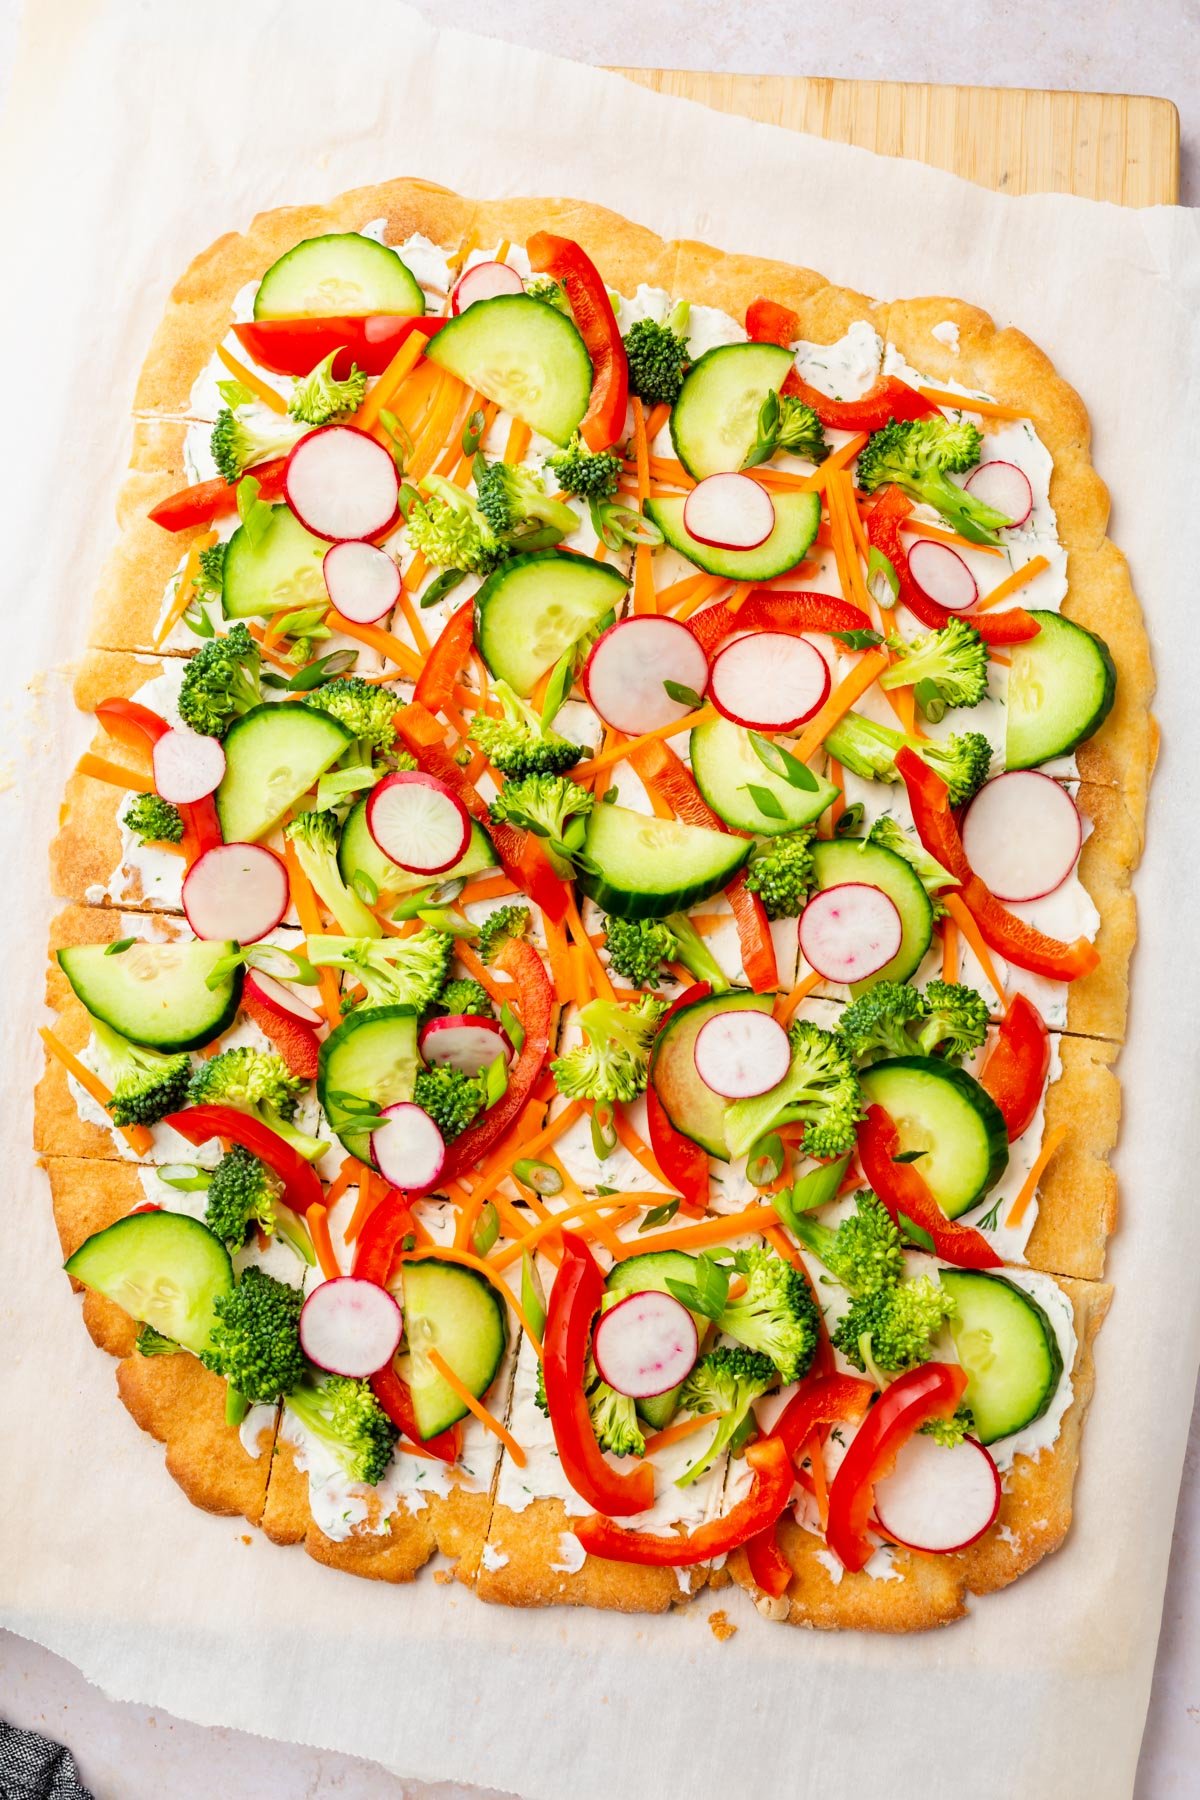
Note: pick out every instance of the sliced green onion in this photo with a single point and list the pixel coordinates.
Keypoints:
(542, 1177)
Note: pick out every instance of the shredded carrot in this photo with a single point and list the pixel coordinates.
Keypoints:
(519, 439)
(1050, 1144)
(644, 598)
(317, 1221)
(618, 753)
(987, 409)
(839, 460)
(305, 902)
(368, 1200)
(479, 971)
(597, 973)
(786, 1006)
(871, 664)
(674, 1434)
(957, 908)
(391, 648)
(556, 946)
(477, 1407)
(137, 1137)
(447, 400)
(500, 1164)
(350, 1171)
(1018, 579)
(709, 1231)
(412, 619)
(487, 887)
(918, 528)
(640, 1152)
(580, 987)
(949, 950)
(656, 419)
(397, 371)
(597, 1226)
(185, 589)
(100, 769)
(258, 387)
(578, 1210)
(700, 585)
(468, 1260)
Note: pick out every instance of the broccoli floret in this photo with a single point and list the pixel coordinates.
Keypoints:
(450, 531)
(870, 750)
(929, 872)
(549, 292)
(592, 474)
(657, 356)
(613, 1061)
(146, 1084)
(319, 398)
(248, 436)
(947, 667)
(553, 807)
(259, 1083)
(506, 922)
(242, 1193)
(315, 836)
(777, 1315)
(221, 682)
(350, 1422)
(517, 743)
(511, 498)
(255, 1341)
(785, 422)
(153, 820)
(820, 1089)
(614, 1416)
(451, 1098)
(394, 971)
(950, 1432)
(919, 455)
(471, 997)
(637, 947)
(364, 708)
(726, 1382)
(152, 1343)
(894, 1327)
(863, 1253)
(210, 577)
(781, 872)
(876, 1023)
(954, 1020)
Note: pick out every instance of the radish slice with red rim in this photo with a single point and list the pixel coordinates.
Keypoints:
(646, 1344)
(1022, 834)
(941, 573)
(408, 1149)
(418, 822)
(769, 681)
(278, 998)
(629, 664)
(342, 484)
(1004, 486)
(236, 891)
(731, 512)
(938, 1498)
(739, 1054)
(187, 765)
(485, 281)
(468, 1042)
(849, 931)
(350, 1326)
(362, 580)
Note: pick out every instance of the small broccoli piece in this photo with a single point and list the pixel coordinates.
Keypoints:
(820, 1090)
(146, 1084)
(248, 436)
(506, 922)
(549, 292)
(450, 531)
(726, 1382)
(451, 1098)
(785, 422)
(954, 1020)
(613, 1061)
(876, 1023)
(153, 820)
(929, 872)
(637, 947)
(869, 750)
(255, 1342)
(592, 474)
(152, 1343)
(614, 1416)
(467, 997)
(315, 837)
(781, 872)
(511, 499)
(349, 1421)
(210, 577)
(657, 356)
(920, 455)
(893, 1328)
(552, 807)
(950, 1432)
(863, 1253)
(318, 397)
(363, 707)
(221, 682)
(394, 971)
(948, 667)
(259, 1083)
(242, 1193)
(517, 743)
(777, 1315)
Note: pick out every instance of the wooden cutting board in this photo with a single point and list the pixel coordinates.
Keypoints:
(1120, 147)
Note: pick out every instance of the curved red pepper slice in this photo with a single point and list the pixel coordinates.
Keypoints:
(825, 1400)
(769, 1568)
(769, 323)
(139, 728)
(1015, 1068)
(200, 1124)
(761, 1507)
(447, 659)
(564, 260)
(208, 500)
(391, 1391)
(771, 609)
(903, 1190)
(889, 399)
(535, 1003)
(296, 346)
(1012, 626)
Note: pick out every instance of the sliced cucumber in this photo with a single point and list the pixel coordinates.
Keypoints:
(162, 1268)
(726, 767)
(273, 754)
(649, 1274)
(156, 994)
(342, 272)
(457, 1313)
(797, 516)
(368, 1062)
(692, 1106)
(715, 419)
(526, 356)
(1061, 688)
(359, 853)
(1009, 1349)
(640, 867)
(853, 859)
(945, 1114)
(283, 568)
(534, 607)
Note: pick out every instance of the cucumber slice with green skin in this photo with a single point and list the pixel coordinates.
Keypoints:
(457, 1313)
(649, 1274)
(715, 419)
(534, 607)
(342, 272)
(526, 356)
(797, 516)
(692, 1106)
(726, 767)
(1061, 688)
(156, 995)
(1008, 1347)
(944, 1113)
(162, 1268)
(853, 859)
(282, 569)
(359, 853)
(640, 867)
(273, 754)
(370, 1058)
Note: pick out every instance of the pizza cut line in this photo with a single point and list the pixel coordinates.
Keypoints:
(598, 917)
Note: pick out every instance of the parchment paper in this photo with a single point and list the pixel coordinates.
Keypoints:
(137, 134)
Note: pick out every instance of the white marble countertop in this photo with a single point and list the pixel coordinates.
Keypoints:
(1129, 46)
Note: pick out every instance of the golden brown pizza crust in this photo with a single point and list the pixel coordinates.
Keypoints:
(1077, 1205)
(529, 1563)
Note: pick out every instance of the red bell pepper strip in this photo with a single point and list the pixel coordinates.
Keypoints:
(296, 346)
(564, 260)
(683, 1162)
(1012, 626)
(1015, 1068)
(208, 500)
(767, 1498)
(447, 659)
(1000, 929)
(139, 728)
(769, 323)
(930, 1392)
(200, 1124)
(827, 1400)
(770, 1569)
(392, 1393)
(295, 1041)
(573, 1304)
(769, 609)
(890, 398)
(535, 1004)
(903, 1190)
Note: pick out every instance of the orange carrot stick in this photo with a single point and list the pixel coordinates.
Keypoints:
(1020, 1205)
(136, 1136)
(259, 388)
(618, 753)
(1010, 585)
(476, 1407)
(987, 409)
(871, 664)
(317, 1220)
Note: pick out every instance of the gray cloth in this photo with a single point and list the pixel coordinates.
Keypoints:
(34, 1768)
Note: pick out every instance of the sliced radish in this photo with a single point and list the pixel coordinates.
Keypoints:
(187, 765)
(469, 1042)
(362, 580)
(732, 512)
(1022, 834)
(645, 1345)
(409, 1150)
(342, 484)
(627, 667)
(769, 680)
(1004, 486)
(236, 891)
(279, 998)
(941, 573)
(738, 1054)
(484, 281)
(850, 931)
(938, 1499)
(350, 1326)
(418, 822)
